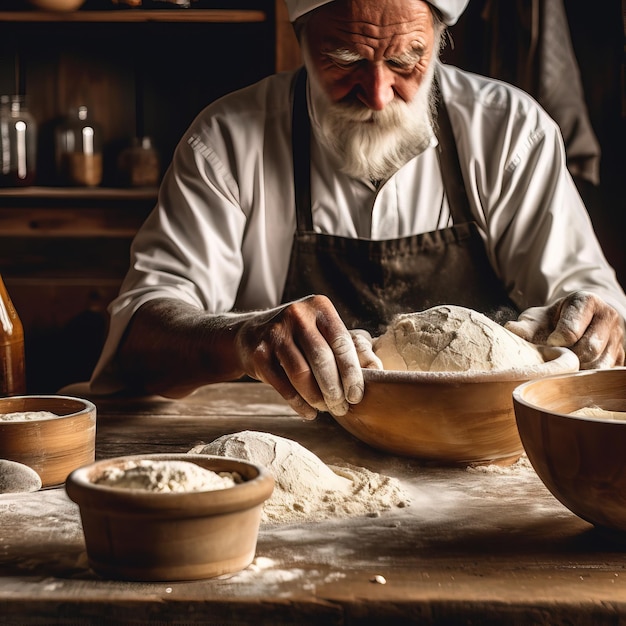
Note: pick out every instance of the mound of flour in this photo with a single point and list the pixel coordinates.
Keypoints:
(26, 416)
(306, 489)
(166, 476)
(452, 339)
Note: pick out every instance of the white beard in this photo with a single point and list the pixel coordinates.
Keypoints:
(375, 144)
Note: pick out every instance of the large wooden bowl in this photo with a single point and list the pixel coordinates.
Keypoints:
(581, 460)
(447, 418)
(141, 535)
(52, 447)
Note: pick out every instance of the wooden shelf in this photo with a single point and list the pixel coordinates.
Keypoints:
(77, 193)
(139, 15)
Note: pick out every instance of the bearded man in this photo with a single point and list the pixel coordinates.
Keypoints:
(312, 206)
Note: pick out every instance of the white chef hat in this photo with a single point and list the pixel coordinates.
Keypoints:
(450, 9)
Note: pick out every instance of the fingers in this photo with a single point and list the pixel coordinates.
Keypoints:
(592, 329)
(363, 343)
(333, 358)
(576, 314)
(261, 346)
(306, 353)
(582, 322)
(534, 324)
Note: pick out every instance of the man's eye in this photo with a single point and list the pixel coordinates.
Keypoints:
(345, 64)
(401, 66)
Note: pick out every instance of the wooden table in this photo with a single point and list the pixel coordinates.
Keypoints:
(474, 547)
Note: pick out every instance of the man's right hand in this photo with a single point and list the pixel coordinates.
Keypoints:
(304, 350)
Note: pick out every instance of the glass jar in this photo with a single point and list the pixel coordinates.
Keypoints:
(139, 164)
(79, 149)
(18, 143)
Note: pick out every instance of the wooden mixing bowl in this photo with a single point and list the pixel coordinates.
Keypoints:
(52, 447)
(141, 535)
(579, 459)
(446, 418)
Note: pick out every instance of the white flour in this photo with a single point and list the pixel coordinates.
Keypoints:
(306, 489)
(26, 416)
(452, 339)
(521, 466)
(164, 476)
(603, 414)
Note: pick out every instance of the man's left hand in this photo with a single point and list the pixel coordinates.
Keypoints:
(583, 322)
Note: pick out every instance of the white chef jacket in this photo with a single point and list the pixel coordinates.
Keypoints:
(221, 233)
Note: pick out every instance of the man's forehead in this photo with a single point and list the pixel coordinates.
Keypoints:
(450, 10)
(393, 36)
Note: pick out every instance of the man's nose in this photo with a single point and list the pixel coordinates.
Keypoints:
(376, 86)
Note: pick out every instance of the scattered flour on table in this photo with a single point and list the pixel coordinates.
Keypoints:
(26, 416)
(306, 489)
(521, 466)
(452, 339)
(166, 476)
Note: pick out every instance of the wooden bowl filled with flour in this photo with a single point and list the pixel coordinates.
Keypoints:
(445, 393)
(53, 435)
(169, 517)
(573, 428)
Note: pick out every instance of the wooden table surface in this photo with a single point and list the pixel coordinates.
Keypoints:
(487, 546)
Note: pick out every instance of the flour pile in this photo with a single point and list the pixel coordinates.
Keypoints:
(167, 476)
(306, 489)
(26, 416)
(452, 339)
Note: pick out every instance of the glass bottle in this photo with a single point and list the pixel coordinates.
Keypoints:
(139, 164)
(79, 149)
(18, 143)
(12, 370)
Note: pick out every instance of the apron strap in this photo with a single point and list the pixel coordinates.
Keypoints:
(451, 173)
(301, 151)
(450, 165)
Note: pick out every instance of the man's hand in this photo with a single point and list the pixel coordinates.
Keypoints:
(304, 350)
(364, 345)
(583, 322)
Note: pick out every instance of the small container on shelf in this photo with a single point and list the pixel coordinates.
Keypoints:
(57, 5)
(12, 370)
(18, 142)
(79, 149)
(139, 164)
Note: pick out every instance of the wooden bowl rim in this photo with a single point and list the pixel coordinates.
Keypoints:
(520, 391)
(247, 494)
(88, 407)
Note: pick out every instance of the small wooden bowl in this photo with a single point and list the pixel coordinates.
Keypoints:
(446, 418)
(140, 535)
(579, 459)
(52, 447)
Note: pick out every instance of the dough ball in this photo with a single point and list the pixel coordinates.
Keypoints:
(18, 478)
(452, 339)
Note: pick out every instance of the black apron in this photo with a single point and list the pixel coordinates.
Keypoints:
(371, 281)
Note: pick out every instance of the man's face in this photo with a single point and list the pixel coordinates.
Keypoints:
(373, 51)
(371, 72)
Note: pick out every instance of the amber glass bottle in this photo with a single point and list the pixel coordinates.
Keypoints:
(12, 370)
